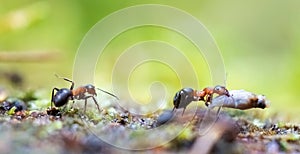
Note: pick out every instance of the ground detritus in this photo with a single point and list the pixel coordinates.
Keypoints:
(31, 127)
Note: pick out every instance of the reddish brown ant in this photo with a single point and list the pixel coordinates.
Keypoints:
(63, 95)
(237, 99)
(186, 95)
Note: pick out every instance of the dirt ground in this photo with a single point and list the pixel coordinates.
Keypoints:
(27, 124)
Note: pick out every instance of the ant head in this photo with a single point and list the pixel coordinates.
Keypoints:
(221, 90)
(90, 89)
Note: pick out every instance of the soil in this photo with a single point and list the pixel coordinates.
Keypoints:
(29, 125)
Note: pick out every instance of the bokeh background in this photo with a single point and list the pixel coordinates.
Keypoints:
(259, 42)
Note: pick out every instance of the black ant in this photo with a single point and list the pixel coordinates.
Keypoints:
(186, 95)
(63, 95)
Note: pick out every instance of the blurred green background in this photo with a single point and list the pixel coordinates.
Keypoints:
(259, 41)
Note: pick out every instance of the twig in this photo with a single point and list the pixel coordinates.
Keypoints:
(28, 56)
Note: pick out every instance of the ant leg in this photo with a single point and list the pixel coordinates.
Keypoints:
(96, 103)
(53, 95)
(85, 103)
(218, 112)
(173, 109)
(73, 102)
(208, 99)
(183, 111)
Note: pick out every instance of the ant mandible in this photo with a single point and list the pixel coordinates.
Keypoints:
(186, 95)
(63, 95)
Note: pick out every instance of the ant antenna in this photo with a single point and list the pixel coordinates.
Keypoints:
(109, 93)
(225, 80)
(62, 77)
(56, 75)
(66, 79)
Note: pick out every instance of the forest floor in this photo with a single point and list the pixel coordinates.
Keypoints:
(27, 124)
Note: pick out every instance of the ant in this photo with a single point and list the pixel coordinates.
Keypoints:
(63, 95)
(186, 95)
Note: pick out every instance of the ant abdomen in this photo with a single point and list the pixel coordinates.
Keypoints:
(61, 97)
(183, 98)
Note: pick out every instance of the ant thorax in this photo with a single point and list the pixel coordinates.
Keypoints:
(84, 91)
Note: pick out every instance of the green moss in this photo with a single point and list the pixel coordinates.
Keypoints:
(12, 111)
(186, 134)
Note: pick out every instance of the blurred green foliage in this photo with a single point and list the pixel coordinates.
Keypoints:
(259, 41)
